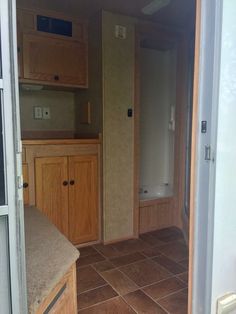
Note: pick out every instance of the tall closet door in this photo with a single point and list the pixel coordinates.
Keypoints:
(51, 176)
(83, 199)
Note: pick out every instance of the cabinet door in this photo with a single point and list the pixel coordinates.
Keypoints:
(83, 199)
(58, 61)
(25, 183)
(51, 183)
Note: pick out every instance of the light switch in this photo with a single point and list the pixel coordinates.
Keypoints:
(38, 113)
(46, 113)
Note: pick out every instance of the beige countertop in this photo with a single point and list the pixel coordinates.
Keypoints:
(49, 255)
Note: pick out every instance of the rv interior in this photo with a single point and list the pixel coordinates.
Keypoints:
(106, 103)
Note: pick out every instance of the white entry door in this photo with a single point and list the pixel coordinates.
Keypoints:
(12, 255)
(213, 186)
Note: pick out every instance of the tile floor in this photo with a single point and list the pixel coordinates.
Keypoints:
(147, 275)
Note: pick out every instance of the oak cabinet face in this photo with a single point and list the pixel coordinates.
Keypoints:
(51, 190)
(57, 61)
(66, 190)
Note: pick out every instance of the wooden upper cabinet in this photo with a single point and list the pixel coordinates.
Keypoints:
(83, 199)
(50, 58)
(51, 185)
(57, 61)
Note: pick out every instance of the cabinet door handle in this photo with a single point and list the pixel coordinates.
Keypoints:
(65, 183)
(25, 185)
(56, 77)
(72, 182)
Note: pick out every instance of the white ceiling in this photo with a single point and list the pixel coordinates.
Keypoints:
(178, 12)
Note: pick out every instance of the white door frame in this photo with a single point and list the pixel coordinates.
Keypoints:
(205, 108)
(13, 209)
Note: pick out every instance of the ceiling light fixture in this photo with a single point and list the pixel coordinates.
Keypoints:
(155, 6)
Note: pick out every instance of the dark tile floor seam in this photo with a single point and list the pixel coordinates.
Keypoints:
(170, 294)
(163, 254)
(164, 309)
(103, 285)
(99, 251)
(138, 288)
(118, 267)
(176, 276)
(153, 283)
(98, 303)
(129, 304)
(160, 281)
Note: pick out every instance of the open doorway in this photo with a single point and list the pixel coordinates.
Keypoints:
(107, 164)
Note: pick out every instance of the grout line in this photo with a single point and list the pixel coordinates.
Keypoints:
(161, 306)
(129, 304)
(118, 268)
(127, 278)
(172, 293)
(100, 286)
(98, 303)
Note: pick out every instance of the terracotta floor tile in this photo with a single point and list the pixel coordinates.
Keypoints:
(103, 266)
(170, 265)
(127, 259)
(152, 252)
(175, 251)
(130, 246)
(88, 278)
(153, 263)
(88, 250)
(145, 272)
(90, 259)
(164, 288)
(121, 283)
(183, 277)
(176, 303)
(114, 306)
(94, 296)
(142, 304)
(150, 239)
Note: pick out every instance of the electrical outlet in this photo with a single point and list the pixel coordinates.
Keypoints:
(46, 113)
(38, 113)
(120, 32)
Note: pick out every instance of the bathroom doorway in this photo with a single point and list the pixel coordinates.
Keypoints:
(164, 80)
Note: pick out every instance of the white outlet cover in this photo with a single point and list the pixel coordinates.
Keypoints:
(120, 32)
(46, 113)
(38, 113)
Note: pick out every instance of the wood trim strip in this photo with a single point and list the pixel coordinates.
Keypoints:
(150, 202)
(194, 153)
(61, 141)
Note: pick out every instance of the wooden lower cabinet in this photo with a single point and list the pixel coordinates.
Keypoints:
(83, 199)
(51, 189)
(66, 190)
(63, 298)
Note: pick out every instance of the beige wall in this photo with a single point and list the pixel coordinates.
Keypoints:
(60, 103)
(94, 93)
(118, 130)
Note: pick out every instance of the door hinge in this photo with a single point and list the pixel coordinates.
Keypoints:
(207, 152)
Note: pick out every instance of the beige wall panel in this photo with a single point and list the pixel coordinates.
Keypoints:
(60, 103)
(118, 129)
